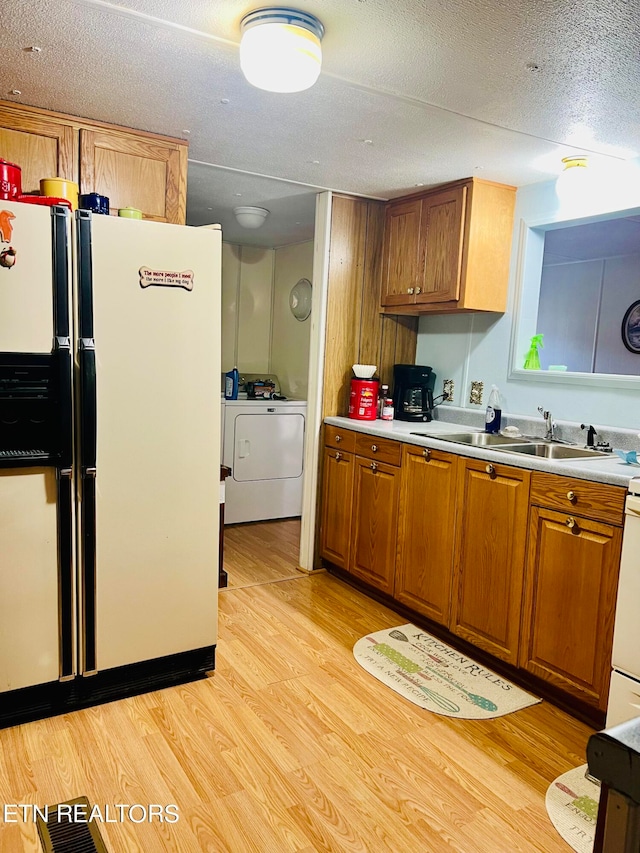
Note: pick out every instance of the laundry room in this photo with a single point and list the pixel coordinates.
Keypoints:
(266, 307)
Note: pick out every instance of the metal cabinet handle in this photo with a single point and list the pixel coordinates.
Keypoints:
(490, 469)
(426, 453)
(338, 438)
(570, 522)
(374, 466)
(338, 456)
(410, 290)
(418, 290)
(571, 496)
(374, 448)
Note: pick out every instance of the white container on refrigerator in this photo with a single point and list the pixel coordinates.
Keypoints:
(624, 694)
(109, 552)
(263, 446)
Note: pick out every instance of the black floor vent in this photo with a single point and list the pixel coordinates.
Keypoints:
(67, 836)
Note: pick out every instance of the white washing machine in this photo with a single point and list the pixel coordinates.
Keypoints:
(263, 446)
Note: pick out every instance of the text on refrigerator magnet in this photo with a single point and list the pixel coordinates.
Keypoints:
(166, 278)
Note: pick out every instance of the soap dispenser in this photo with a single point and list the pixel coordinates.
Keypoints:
(494, 411)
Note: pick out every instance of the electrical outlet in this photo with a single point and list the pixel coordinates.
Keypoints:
(475, 395)
(447, 391)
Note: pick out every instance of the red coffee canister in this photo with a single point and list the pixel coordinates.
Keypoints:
(363, 399)
(10, 181)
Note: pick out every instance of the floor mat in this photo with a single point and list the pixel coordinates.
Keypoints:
(435, 676)
(572, 805)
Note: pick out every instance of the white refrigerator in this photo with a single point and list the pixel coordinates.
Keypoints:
(109, 457)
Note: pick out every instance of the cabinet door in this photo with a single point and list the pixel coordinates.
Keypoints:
(375, 500)
(337, 494)
(427, 520)
(401, 272)
(135, 171)
(489, 559)
(569, 603)
(39, 145)
(442, 234)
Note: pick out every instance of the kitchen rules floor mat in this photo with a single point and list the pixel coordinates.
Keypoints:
(436, 677)
(572, 805)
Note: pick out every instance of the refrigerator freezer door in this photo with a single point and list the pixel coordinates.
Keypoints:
(26, 312)
(29, 644)
(157, 340)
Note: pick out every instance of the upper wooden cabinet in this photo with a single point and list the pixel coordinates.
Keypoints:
(39, 144)
(449, 249)
(135, 171)
(132, 168)
(402, 265)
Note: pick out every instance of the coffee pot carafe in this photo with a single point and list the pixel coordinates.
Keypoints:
(413, 386)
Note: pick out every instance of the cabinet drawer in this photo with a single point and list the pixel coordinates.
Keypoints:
(341, 439)
(380, 449)
(598, 501)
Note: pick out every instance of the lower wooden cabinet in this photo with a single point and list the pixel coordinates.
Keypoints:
(337, 497)
(569, 605)
(425, 541)
(359, 513)
(489, 556)
(521, 564)
(376, 492)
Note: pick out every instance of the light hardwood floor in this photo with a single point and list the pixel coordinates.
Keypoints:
(291, 746)
(261, 552)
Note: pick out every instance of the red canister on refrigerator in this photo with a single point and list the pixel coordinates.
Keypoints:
(10, 181)
(363, 399)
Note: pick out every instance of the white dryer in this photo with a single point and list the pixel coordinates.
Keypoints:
(263, 446)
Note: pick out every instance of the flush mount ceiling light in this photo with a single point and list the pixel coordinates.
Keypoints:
(250, 217)
(280, 49)
(573, 181)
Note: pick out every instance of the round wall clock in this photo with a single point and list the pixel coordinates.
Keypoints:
(300, 299)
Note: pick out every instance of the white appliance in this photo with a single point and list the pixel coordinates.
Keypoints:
(263, 446)
(109, 458)
(624, 694)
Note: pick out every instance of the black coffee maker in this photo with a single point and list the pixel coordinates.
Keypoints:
(413, 386)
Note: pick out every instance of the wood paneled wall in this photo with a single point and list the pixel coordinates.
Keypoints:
(356, 332)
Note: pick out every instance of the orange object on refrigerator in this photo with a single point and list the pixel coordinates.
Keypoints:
(363, 399)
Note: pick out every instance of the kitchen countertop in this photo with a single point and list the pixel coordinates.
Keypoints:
(611, 469)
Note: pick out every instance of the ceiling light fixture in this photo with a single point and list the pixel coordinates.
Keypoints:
(573, 181)
(280, 49)
(250, 217)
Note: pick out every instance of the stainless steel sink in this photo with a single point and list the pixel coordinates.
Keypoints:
(541, 449)
(476, 439)
(556, 451)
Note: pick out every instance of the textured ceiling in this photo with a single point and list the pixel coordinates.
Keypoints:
(411, 93)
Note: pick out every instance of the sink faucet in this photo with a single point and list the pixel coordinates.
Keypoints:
(591, 432)
(549, 424)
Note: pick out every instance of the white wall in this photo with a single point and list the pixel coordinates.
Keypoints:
(290, 337)
(259, 333)
(477, 346)
(247, 292)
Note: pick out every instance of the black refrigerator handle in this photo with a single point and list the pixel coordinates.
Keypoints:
(60, 232)
(60, 263)
(87, 428)
(65, 574)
